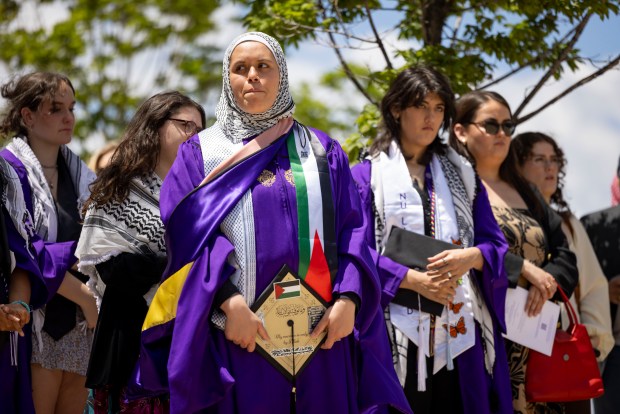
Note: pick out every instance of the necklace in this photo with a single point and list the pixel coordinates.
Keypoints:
(50, 167)
(50, 179)
(416, 172)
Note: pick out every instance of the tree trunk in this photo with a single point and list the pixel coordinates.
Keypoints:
(434, 15)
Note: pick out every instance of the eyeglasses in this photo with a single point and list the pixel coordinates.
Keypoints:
(189, 127)
(542, 161)
(491, 126)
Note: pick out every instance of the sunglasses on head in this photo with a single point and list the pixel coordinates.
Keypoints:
(491, 126)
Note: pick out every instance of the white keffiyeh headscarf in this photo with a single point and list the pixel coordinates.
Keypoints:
(235, 122)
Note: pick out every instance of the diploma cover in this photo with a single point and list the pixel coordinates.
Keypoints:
(288, 300)
(413, 250)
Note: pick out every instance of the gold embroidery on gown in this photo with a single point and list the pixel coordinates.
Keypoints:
(288, 175)
(267, 178)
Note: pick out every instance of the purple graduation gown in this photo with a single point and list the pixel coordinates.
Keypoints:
(46, 265)
(480, 391)
(206, 372)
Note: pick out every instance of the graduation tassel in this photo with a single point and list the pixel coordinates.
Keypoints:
(449, 355)
(293, 403)
(293, 407)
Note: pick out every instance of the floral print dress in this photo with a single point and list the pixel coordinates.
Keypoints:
(526, 239)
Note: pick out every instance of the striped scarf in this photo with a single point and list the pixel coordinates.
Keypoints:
(44, 206)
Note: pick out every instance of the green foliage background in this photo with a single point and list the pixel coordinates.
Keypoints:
(111, 48)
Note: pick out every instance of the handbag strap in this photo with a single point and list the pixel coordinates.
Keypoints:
(572, 315)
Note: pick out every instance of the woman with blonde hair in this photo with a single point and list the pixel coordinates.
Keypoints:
(101, 158)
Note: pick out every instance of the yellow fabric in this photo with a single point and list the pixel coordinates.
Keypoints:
(164, 305)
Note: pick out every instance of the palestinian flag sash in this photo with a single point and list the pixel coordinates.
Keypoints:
(318, 255)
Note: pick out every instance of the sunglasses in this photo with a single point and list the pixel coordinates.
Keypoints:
(491, 126)
(189, 127)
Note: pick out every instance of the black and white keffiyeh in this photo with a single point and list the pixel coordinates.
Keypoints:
(238, 124)
(45, 218)
(455, 188)
(131, 226)
(12, 200)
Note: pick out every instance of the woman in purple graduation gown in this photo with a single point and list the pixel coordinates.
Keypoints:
(448, 358)
(236, 232)
(30, 272)
(39, 115)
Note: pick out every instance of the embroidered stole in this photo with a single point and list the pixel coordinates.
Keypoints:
(237, 220)
(318, 256)
(396, 204)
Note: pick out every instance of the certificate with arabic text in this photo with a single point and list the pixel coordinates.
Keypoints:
(289, 310)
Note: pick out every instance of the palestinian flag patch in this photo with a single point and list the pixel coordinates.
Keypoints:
(284, 290)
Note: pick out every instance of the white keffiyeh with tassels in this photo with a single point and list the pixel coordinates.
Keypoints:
(397, 203)
(234, 122)
(45, 217)
(14, 203)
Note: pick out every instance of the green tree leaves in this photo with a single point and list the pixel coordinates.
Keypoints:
(475, 43)
(116, 52)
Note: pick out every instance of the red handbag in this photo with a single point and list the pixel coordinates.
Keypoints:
(571, 373)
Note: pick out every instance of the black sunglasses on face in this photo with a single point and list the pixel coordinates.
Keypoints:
(491, 126)
(189, 127)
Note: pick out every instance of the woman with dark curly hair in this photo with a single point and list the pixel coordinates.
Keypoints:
(122, 246)
(452, 358)
(542, 163)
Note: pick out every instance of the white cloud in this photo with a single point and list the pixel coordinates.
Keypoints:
(585, 124)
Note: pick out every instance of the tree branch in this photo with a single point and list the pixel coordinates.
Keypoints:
(525, 65)
(379, 41)
(457, 26)
(556, 65)
(509, 74)
(349, 72)
(582, 82)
